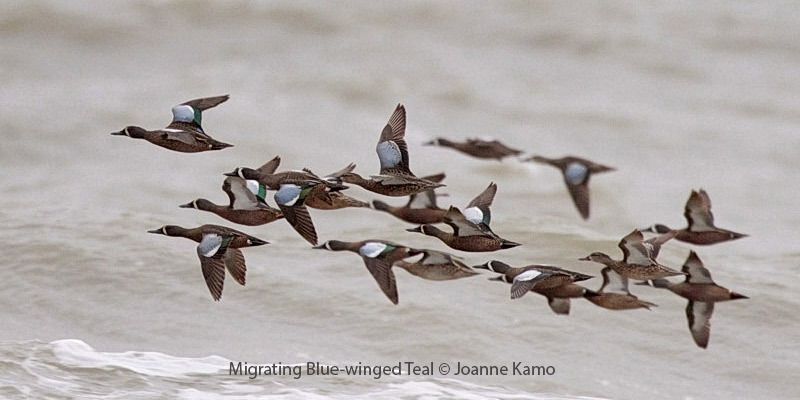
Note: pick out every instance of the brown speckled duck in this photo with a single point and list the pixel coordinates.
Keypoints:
(185, 133)
(478, 148)
(378, 256)
(614, 294)
(471, 231)
(395, 178)
(702, 292)
(701, 229)
(577, 172)
(421, 207)
(437, 266)
(554, 283)
(218, 249)
(639, 261)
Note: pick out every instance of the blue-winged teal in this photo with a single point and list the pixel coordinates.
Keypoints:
(378, 256)
(273, 180)
(639, 261)
(185, 133)
(322, 198)
(291, 200)
(218, 249)
(554, 283)
(421, 207)
(576, 172)
(479, 148)
(614, 294)
(471, 231)
(702, 292)
(396, 178)
(437, 266)
(701, 229)
(244, 207)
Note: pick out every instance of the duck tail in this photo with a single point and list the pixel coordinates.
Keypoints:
(380, 206)
(735, 296)
(219, 145)
(507, 244)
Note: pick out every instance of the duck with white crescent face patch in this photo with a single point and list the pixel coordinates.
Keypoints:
(218, 250)
(554, 283)
(244, 207)
(471, 231)
(185, 133)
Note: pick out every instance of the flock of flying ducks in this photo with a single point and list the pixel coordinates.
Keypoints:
(295, 191)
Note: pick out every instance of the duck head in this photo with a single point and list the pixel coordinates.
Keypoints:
(333, 245)
(597, 257)
(657, 228)
(198, 204)
(494, 266)
(131, 131)
(244, 173)
(168, 230)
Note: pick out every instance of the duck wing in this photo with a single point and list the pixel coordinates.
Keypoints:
(392, 148)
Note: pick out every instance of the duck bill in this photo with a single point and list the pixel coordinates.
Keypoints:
(232, 173)
(156, 231)
(118, 133)
(497, 278)
(187, 205)
(319, 247)
(584, 259)
(417, 229)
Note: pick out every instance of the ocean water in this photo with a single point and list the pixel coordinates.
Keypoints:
(675, 95)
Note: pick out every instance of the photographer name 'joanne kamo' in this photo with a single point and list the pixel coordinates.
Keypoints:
(517, 368)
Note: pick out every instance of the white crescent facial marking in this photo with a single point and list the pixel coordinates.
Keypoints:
(527, 275)
(491, 266)
(240, 173)
(164, 230)
(183, 113)
(194, 204)
(128, 134)
(474, 215)
(575, 173)
(328, 245)
(372, 249)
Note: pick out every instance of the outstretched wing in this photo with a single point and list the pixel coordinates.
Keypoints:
(241, 198)
(698, 212)
(206, 102)
(461, 226)
(211, 250)
(524, 282)
(695, 271)
(613, 282)
(382, 272)
(270, 166)
(698, 314)
(392, 149)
